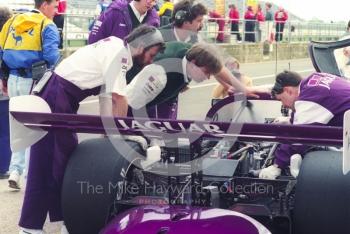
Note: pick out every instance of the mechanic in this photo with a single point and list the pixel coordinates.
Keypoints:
(174, 69)
(320, 99)
(80, 75)
(27, 39)
(187, 21)
(122, 17)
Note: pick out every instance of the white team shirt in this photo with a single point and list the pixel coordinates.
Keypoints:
(104, 62)
(149, 83)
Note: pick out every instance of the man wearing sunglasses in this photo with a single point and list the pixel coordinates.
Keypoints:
(320, 99)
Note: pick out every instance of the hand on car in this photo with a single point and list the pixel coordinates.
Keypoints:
(270, 172)
(282, 120)
(138, 139)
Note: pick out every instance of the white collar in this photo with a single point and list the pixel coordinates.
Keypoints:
(188, 38)
(136, 12)
(184, 69)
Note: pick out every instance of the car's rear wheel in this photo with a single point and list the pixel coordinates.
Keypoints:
(322, 202)
(90, 185)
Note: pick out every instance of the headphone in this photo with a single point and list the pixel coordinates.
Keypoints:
(183, 15)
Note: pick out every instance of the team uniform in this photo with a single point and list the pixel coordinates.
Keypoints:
(323, 100)
(166, 77)
(119, 20)
(175, 49)
(82, 74)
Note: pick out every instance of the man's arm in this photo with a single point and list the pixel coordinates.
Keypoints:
(119, 105)
(231, 83)
(306, 112)
(146, 86)
(51, 40)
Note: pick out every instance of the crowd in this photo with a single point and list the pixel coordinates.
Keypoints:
(132, 62)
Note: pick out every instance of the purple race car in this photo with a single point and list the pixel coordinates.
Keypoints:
(206, 180)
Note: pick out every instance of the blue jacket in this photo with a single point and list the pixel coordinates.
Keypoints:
(28, 38)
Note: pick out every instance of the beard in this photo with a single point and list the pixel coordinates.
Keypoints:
(138, 60)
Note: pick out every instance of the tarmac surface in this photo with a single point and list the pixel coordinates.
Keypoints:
(199, 94)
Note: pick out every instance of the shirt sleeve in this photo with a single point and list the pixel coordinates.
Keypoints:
(146, 86)
(307, 112)
(51, 41)
(115, 73)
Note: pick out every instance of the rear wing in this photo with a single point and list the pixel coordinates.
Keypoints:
(28, 127)
(323, 57)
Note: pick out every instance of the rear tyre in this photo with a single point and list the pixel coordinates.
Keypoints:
(90, 185)
(322, 202)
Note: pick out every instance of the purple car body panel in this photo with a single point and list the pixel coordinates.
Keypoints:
(181, 219)
(304, 134)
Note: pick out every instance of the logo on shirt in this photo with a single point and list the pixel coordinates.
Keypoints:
(323, 81)
(124, 60)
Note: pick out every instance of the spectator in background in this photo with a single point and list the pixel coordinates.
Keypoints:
(259, 23)
(122, 17)
(58, 19)
(5, 152)
(249, 18)
(234, 18)
(219, 19)
(165, 12)
(26, 39)
(281, 17)
(269, 22)
(232, 65)
(101, 6)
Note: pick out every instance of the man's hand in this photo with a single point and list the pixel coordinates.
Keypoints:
(282, 120)
(251, 92)
(138, 139)
(270, 172)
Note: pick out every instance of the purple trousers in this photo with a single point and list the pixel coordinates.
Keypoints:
(5, 151)
(49, 156)
(165, 110)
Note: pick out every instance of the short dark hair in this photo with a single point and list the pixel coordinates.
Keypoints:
(193, 8)
(38, 3)
(5, 14)
(284, 79)
(145, 35)
(205, 55)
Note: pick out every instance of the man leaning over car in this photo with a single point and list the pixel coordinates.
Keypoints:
(320, 99)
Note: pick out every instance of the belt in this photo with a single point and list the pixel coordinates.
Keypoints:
(22, 72)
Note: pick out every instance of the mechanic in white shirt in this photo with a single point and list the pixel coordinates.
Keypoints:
(173, 70)
(99, 65)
